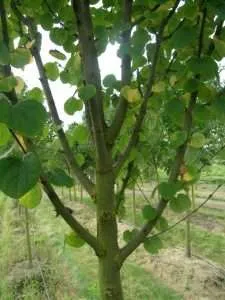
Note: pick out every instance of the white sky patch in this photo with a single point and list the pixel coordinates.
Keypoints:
(109, 63)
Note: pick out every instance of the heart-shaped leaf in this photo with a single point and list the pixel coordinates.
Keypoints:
(18, 176)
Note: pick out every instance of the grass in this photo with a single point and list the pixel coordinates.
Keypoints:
(72, 273)
(83, 268)
(204, 243)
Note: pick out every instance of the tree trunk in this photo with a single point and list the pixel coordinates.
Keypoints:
(109, 270)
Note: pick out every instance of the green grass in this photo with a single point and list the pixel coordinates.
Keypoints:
(204, 243)
(77, 268)
(83, 267)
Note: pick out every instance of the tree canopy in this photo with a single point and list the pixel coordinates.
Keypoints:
(165, 109)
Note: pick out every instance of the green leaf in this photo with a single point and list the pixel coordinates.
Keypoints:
(175, 110)
(178, 138)
(80, 134)
(58, 35)
(18, 176)
(4, 134)
(129, 234)
(51, 70)
(35, 94)
(167, 190)
(4, 54)
(191, 85)
(72, 239)
(28, 118)
(7, 84)
(204, 66)
(192, 174)
(57, 54)
(32, 4)
(153, 245)
(87, 92)
(5, 108)
(198, 140)
(20, 57)
(180, 203)
(161, 224)
(46, 21)
(184, 36)
(159, 87)
(109, 81)
(149, 212)
(80, 159)
(132, 95)
(32, 198)
(72, 105)
(219, 48)
(59, 177)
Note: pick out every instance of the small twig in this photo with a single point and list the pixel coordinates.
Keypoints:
(142, 192)
(165, 38)
(191, 213)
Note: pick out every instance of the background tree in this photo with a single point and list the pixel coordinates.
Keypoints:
(169, 52)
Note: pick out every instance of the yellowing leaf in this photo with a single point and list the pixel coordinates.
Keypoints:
(30, 44)
(159, 87)
(187, 177)
(19, 85)
(132, 95)
(197, 140)
(186, 98)
(32, 198)
(173, 80)
(4, 134)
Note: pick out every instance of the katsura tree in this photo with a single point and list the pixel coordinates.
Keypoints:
(169, 52)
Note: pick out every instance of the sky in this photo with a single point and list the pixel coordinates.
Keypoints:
(109, 63)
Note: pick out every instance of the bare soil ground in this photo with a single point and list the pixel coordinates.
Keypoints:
(208, 223)
(194, 278)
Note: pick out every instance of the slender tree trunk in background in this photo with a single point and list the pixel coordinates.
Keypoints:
(81, 193)
(109, 271)
(134, 207)
(70, 194)
(188, 225)
(193, 196)
(29, 251)
(188, 238)
(75, 192)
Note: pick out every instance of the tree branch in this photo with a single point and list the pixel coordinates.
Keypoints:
(35, 50)
(142, 112)
(175, 30)
(126, 74)
(59, 206)
(64, 212)
(175, 170)
(120, 194)
(191, 213)
(6, 68)
(92, 76)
